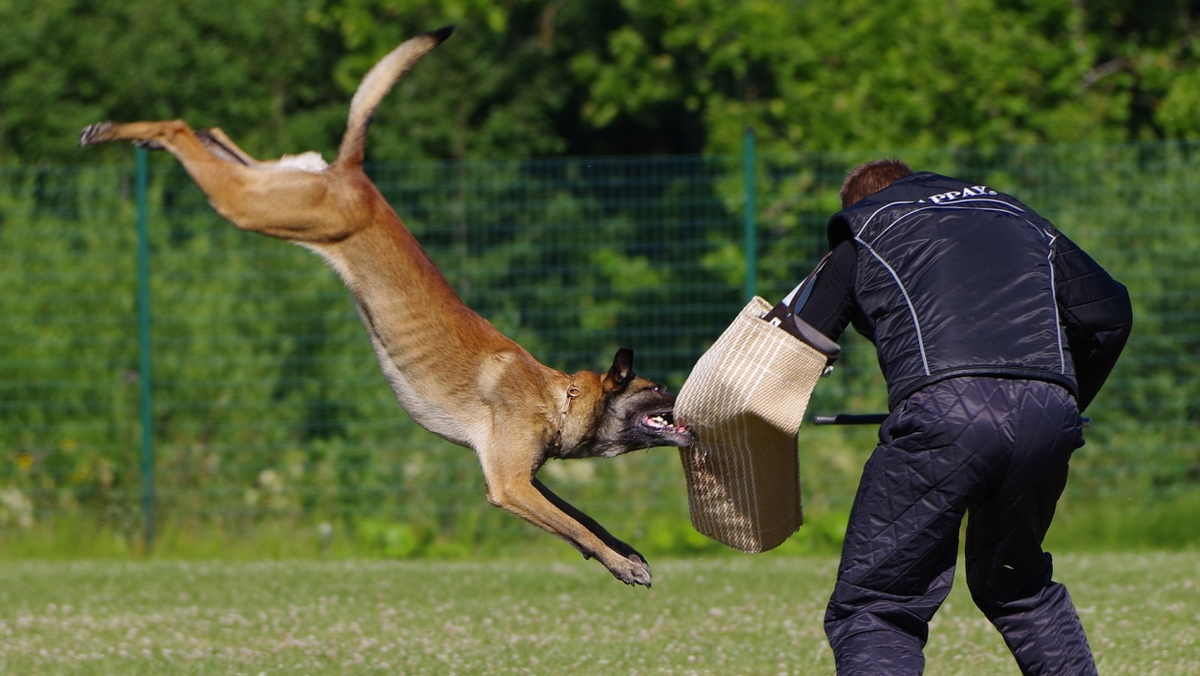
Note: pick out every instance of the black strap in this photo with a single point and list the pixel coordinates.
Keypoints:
(803, 290)
(794, 302)
(785, 315)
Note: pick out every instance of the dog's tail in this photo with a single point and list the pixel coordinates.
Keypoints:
(376, 85)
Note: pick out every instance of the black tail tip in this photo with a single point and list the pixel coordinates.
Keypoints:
(442, 33)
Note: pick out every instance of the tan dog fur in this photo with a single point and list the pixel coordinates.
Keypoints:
(455, 374)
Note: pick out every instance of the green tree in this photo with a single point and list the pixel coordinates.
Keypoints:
(832, 76)
(605, 77)
(258, 68)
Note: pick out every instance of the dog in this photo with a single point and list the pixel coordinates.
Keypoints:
(451, 370)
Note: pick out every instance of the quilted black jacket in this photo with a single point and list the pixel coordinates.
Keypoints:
(955, 279)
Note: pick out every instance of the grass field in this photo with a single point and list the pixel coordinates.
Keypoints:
(723, 615)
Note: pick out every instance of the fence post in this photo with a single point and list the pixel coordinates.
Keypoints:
(749, 231)
(145, 375)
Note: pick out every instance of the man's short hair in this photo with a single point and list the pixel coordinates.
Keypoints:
(870, 178)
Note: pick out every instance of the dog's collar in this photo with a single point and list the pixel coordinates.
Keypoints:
(572, 393)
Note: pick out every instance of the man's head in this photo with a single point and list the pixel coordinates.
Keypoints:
(870, 178)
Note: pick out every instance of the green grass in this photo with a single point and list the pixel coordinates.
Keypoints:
(723, 615)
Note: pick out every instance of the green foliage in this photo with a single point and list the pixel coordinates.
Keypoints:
(602, 77)
(255, 67)
(828, 76)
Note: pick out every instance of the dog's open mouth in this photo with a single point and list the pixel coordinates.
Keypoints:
(663, 424)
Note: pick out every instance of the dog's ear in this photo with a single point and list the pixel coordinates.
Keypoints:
(621, 372)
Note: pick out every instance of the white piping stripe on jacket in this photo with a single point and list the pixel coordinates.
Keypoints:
(908, 301)
(1014, 208)
(1011, 210)
(1062, 357)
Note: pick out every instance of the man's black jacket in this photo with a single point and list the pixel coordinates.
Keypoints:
(949, 278)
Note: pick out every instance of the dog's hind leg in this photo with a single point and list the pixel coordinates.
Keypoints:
(174, 135)
(212, 138)
(288, 203)
(223, 147)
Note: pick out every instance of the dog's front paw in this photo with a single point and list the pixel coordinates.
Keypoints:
(625, 550)
(631, 571)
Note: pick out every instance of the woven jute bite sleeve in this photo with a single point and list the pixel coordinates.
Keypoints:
(744, 401)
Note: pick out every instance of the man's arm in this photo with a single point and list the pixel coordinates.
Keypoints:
(830, 308)
(1096, 313)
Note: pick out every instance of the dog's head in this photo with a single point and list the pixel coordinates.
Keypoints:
(630, 413)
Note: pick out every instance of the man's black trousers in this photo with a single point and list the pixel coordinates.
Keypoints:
(995, 450)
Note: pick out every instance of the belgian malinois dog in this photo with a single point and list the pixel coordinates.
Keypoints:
(455, 374)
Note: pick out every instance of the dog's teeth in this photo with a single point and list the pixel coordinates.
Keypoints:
(656, 421)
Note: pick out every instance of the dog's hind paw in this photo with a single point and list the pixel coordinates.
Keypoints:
(103, 132)
(96, 133)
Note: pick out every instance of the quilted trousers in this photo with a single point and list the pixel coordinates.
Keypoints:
(993, 450)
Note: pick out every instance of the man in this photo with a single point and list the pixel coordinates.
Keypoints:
(993, 331)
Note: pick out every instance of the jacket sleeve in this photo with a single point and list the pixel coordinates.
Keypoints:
(1096, 314)
(831, 306)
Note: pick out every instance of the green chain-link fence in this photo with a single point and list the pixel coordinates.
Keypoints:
(267, 407)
